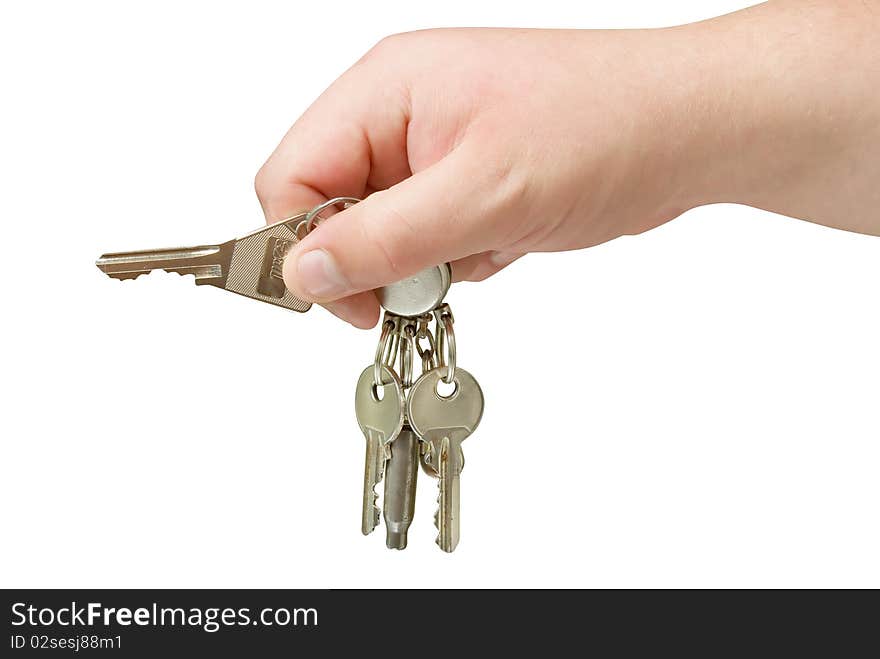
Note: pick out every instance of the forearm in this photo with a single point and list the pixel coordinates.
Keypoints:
(787, 101)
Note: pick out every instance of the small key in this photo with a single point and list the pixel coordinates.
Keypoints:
(401, 474)
(250, 265)
(381, 420)
(444, 422)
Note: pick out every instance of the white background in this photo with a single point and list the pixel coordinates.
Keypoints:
(697, 406)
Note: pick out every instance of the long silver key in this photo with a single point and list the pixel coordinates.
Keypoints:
(250, 265)
(444, 422)
(401, 474)
(381, 420)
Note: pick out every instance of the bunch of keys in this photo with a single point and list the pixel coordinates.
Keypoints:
(405, 421)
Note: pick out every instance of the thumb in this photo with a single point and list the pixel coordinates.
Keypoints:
(435, 216)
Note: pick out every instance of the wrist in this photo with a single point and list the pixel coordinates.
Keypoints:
(777, 104)
(734, 124)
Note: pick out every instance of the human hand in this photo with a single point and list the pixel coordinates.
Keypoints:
(476, 146)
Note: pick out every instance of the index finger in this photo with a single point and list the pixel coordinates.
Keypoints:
(350, 141)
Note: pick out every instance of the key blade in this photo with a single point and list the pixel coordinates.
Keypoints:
(380, 420)
(374, 471)
(449, 502)
(401, 474)
(208, 263)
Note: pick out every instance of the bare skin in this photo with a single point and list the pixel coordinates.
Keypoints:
(476, 146)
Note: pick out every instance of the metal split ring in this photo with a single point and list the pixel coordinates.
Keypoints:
(446, 353)
(427, 355)
(407, 335)
(390, 354)
(315, 213)
(387, 328)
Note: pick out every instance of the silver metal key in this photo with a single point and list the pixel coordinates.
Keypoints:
(250, 265)
(381, 420)
(401, 474)
(444, 422)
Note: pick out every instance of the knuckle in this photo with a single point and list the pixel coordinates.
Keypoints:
(503, 176)
(385, 46)
(266, 187)
(261, 183)
(508, 190)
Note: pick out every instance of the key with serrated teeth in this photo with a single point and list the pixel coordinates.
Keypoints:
(444, 422)
(250, 265)
(381, 419)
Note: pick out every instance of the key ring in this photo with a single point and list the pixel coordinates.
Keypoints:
(315, 213)
(390, 355)
(446, 353)
(387, 328)
(428, 354)
(407, 336)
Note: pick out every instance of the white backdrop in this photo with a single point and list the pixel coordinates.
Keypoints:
(697, 406)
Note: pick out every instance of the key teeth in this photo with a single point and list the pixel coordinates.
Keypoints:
(437, 518)
(428, 459)
(198, 275)
(377, 515)
(179, 273)
(376, 518)
(123, 276)
(377, 511)
(442, 478)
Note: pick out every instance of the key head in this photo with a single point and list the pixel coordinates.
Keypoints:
(433, 415)
(255, 267)
(417, 295)
(380, 417)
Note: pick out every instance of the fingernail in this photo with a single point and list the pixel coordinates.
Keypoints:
(319, 276)
(501, 259)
